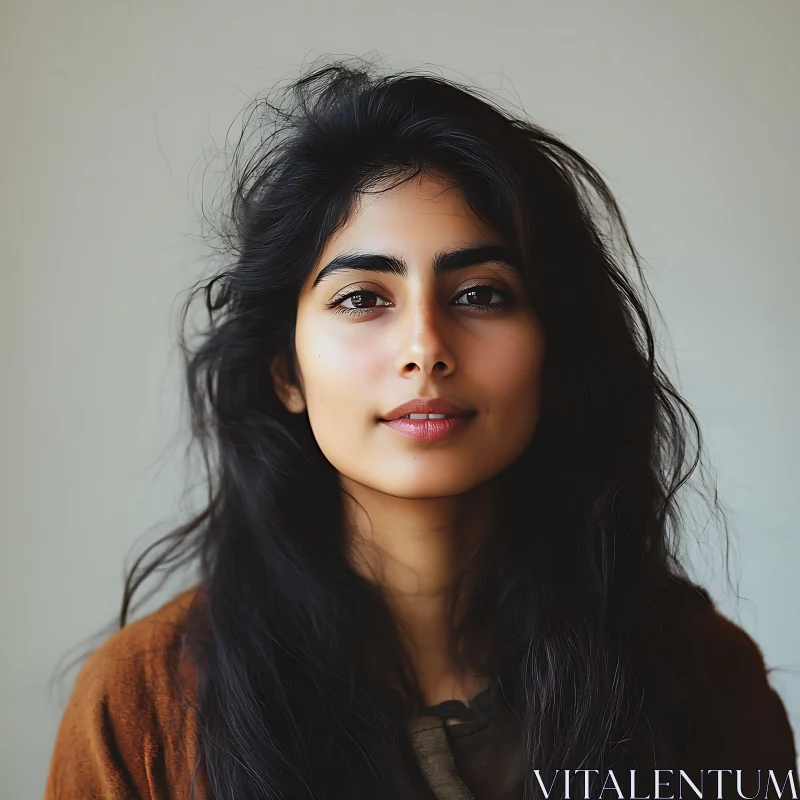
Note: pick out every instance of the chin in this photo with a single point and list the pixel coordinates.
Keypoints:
(422, 487)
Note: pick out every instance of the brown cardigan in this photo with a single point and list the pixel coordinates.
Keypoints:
(126, 734)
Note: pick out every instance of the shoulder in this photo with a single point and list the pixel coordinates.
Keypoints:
(128, 728)
(734, 700)
(721, 653)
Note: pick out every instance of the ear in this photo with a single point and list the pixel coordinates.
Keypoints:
(288, 393)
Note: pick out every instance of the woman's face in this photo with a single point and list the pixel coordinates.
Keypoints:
(368, 341)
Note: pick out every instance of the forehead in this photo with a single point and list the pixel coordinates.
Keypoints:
(413, 221)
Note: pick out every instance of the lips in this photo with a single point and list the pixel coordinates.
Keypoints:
(430, 429)
(433, 405)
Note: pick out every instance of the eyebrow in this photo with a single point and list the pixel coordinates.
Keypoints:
(443, 262)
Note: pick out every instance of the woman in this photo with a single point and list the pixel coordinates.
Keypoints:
(440, 555)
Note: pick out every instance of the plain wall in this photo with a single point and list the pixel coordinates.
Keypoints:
(110, 110)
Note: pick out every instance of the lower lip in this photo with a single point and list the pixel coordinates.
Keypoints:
(427, 429)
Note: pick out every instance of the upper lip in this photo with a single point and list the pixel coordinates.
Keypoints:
(432, 405)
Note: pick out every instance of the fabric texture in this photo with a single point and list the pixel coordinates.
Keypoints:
(484, 739)
(128, 730)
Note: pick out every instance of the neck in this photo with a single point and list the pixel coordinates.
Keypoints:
(413, 549)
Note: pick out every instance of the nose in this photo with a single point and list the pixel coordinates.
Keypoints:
(425, 344)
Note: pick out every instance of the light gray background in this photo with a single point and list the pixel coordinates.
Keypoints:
(690, 111)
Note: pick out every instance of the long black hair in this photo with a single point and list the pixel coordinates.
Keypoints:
(294, 649)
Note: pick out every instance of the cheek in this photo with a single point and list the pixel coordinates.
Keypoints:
(512, 365)
(511, 372)
(519, 373)
(337, 372)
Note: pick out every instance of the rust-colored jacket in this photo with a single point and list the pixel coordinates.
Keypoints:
(127, 733)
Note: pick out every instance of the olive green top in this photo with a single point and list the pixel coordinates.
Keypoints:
(471, 751)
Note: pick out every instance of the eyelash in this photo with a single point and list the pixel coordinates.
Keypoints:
(337, 308)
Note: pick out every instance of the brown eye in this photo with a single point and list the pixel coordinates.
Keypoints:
(480, 295)
(356, 303)
(479, 298)
(363, 299)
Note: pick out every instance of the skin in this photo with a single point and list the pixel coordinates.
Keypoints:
(417, 509)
